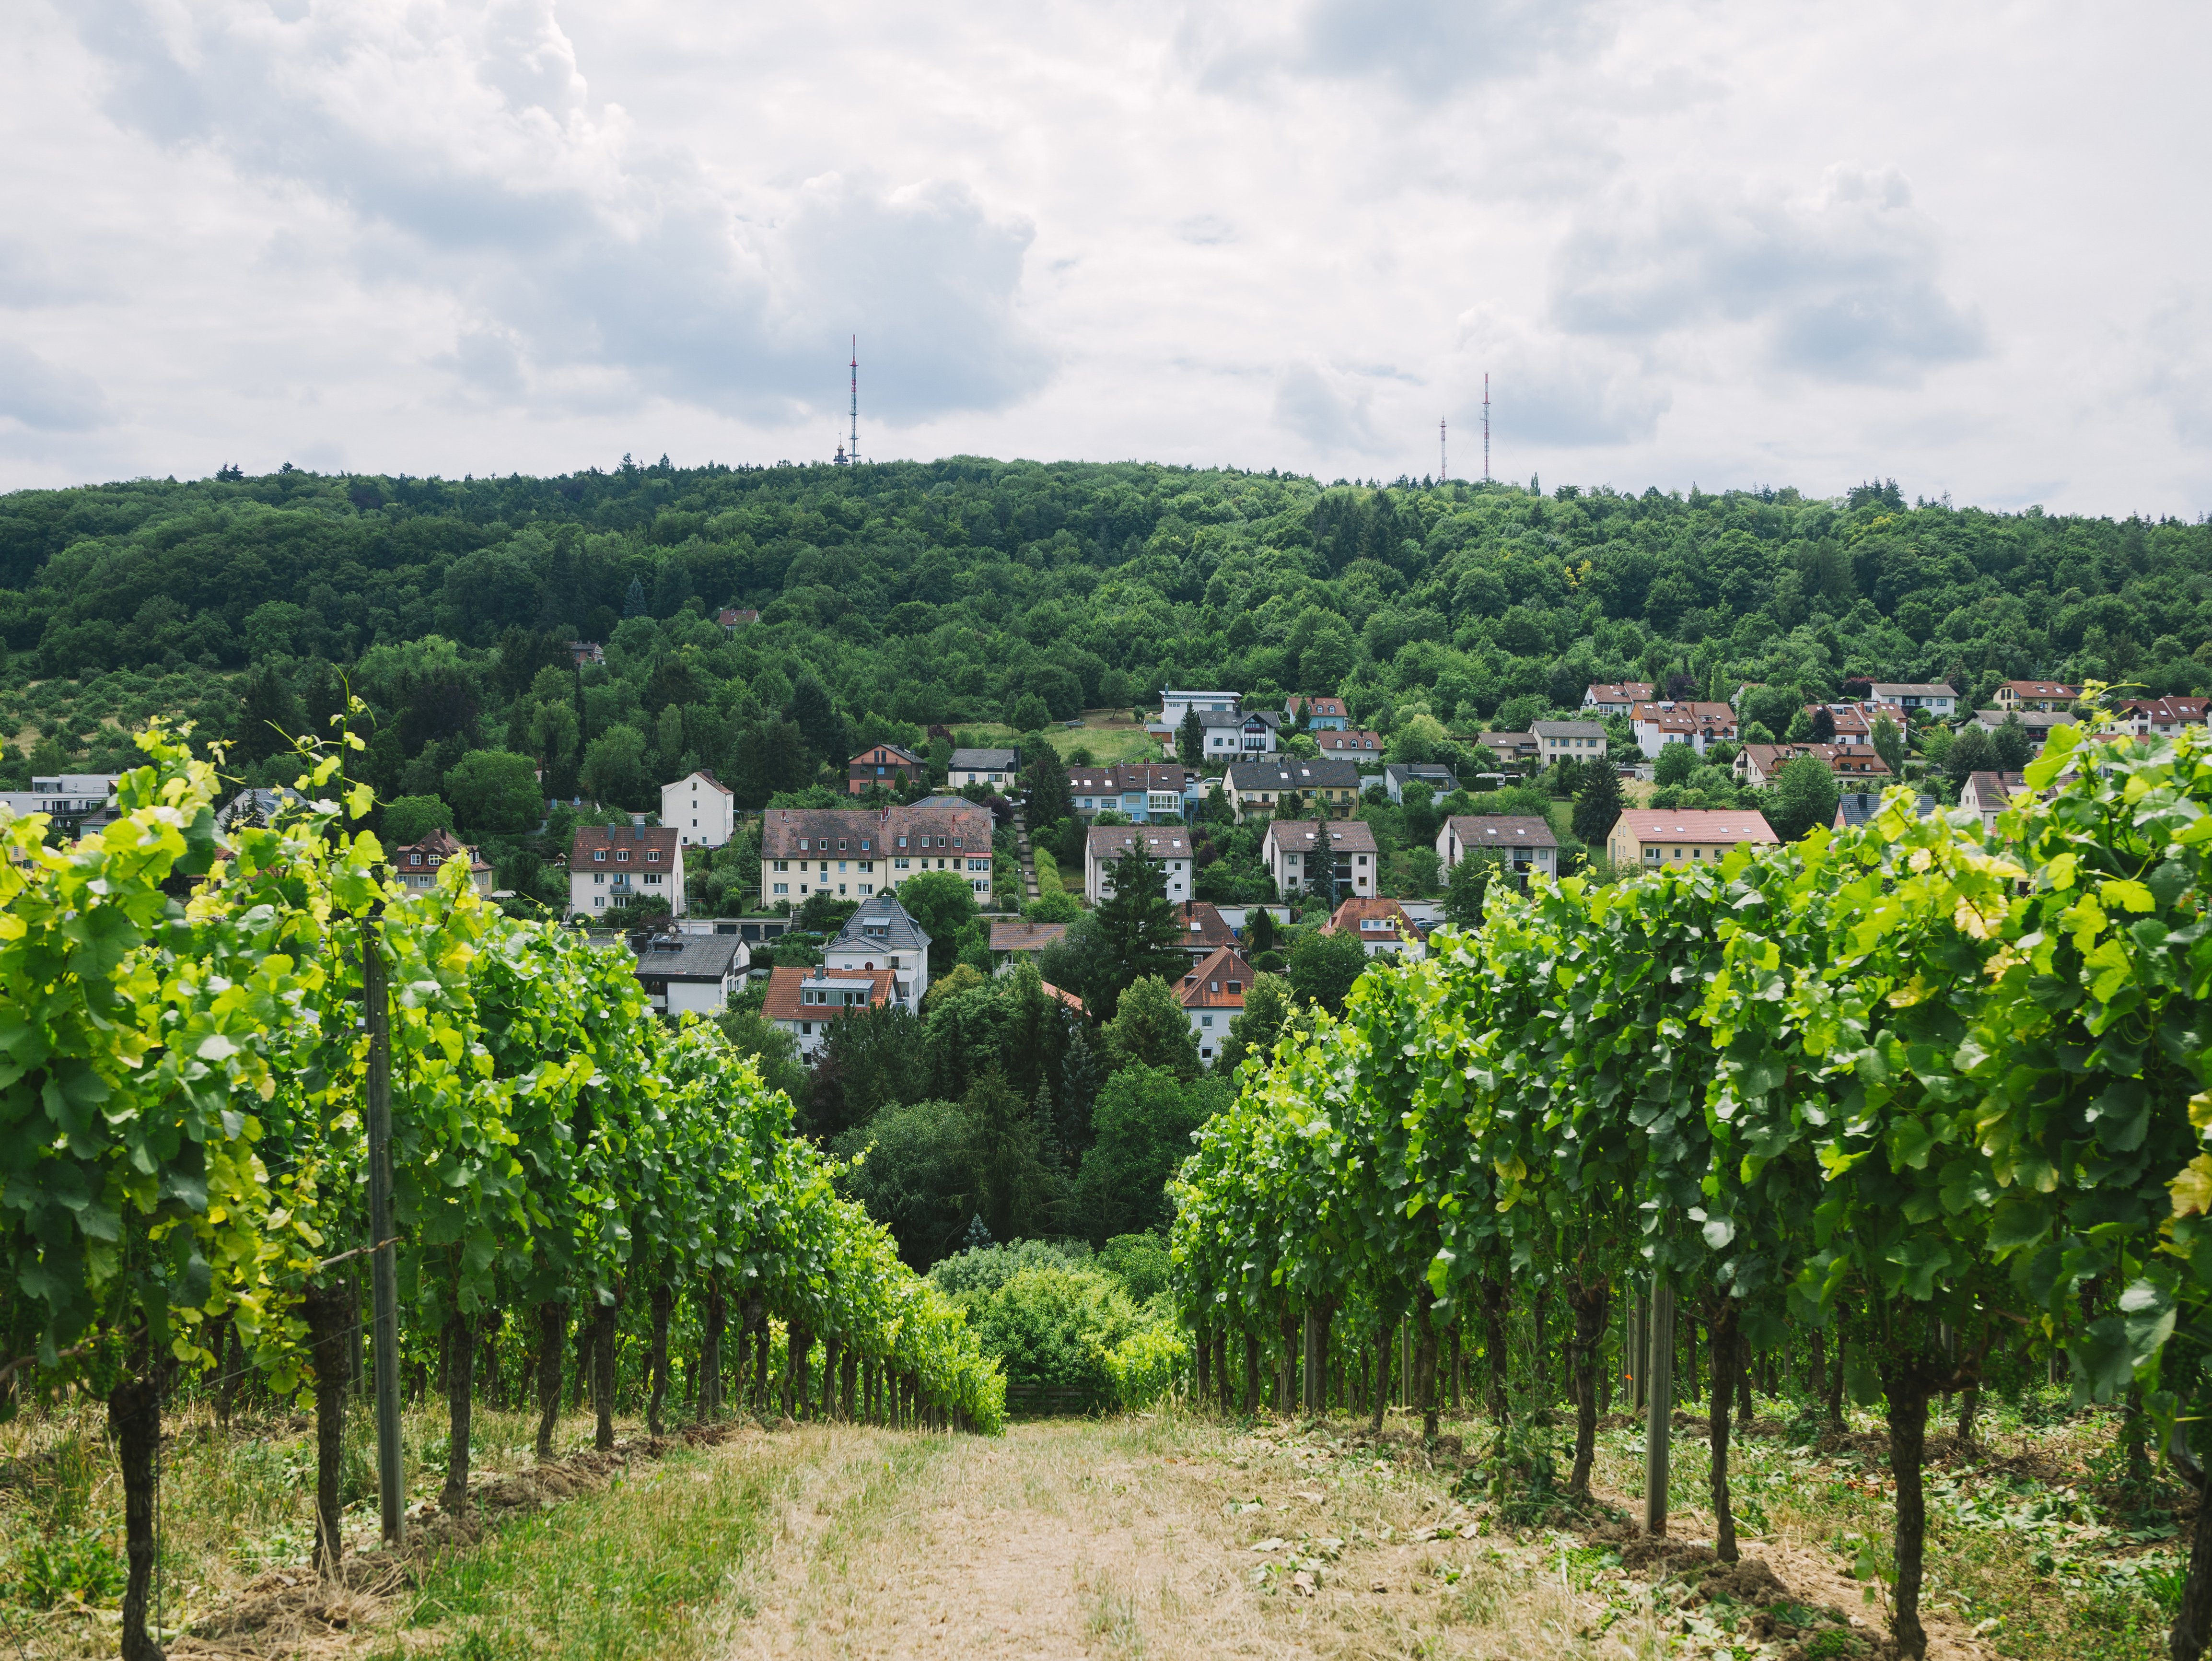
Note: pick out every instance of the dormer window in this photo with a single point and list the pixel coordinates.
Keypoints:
(599, 855)
(622, 857)
(802, 841)
(414, 859)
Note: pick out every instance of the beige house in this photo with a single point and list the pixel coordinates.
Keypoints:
(1292, 851)
(1989, 794)
(2048, 694)
(1262, 785)
(995, 770)
(1758, 764)
(854, 852)
(1655, 837)
(1568, 741)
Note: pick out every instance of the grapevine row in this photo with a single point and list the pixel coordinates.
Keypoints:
(1916, 1086)
(184, 1062)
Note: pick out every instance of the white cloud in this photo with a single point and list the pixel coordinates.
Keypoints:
(1841, 285)
(47, 397)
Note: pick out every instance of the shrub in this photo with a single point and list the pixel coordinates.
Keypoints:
(1148, 1364)
(1054, 1326)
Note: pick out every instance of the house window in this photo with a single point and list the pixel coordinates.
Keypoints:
(1236, 987)
(414, 859)
(598, 899)
(653, 856)
(806, 1028)
(783, 888)
(622, 857)
(1205, 1020)
(599, 855)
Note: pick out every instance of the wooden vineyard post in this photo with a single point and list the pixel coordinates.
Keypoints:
(384, 1262)
(1659, 1406)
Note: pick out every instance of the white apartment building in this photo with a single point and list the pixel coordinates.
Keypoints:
(700, 808)
(881, 935)
(1293, 850)
(612, 866)
(1937, 698)
(1103, 848)
(1174, 706)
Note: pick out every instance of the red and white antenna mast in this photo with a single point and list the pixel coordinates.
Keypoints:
(1485, 426)
(853, 446)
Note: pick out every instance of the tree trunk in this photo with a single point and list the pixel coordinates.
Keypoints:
(552, 1339)
(134, 1419)
(1907, 1384)
(1969, 1405)
(760, 1357)
(489, 1371)
(1745, 1410)
(1424, 1361)
(1588, 1300)
(1316, 1399)
(798, 1345)
(460, 1374)
(2192, 1622)
(1538, 1375)
(1493, 1342)
(1726, 1348)
(325, 1308)
(1251, 1371)
(1835, 1382)
(587, 1340)
(715, 1315)
(1690, 1338)
(663, 1301)
(1380, 1399)
(1224, 1384)
(1287, 1376)
(833, 1359)
(605, 1319)
(848, 1375)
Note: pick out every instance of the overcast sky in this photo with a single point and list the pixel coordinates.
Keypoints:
(1779, 244)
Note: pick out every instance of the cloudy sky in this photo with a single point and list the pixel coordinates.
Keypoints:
(1687, 242)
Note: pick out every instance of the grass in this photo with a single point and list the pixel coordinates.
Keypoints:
(1164, 1536)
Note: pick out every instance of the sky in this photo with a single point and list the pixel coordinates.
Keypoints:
(1687, 243)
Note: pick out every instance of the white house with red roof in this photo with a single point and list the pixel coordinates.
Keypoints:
(1212, 995)
(1380, 924)
(804, 1002)
(418, 864)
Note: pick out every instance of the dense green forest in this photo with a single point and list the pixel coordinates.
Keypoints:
(953, 591)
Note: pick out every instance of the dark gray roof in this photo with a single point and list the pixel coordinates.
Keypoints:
(1406, 771)
(1229, 718)
(881, 924)
(689, 957)
(1566, 729)
(1291, 773)
(989, 761)
(1855, 807)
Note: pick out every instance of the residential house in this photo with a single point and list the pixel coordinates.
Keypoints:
(854, 852)
(881, 934)
(1855, 722)
(587, 651)
(1104, 846)
(1524, 842)
(1855, 807)
(1293, 853)
(1567, 740)
(1618, 697)
(1143, 791)
(1323, 714)
(2040, 724)
(692, 974)
(1174, 706)
(254, 805)
(77, 802)
(1758, 764)
(415, 864)
(1382, 926)
(804, 1002)
(1226, 735)
(1012, 940)
(1264, 784)
(1350, 744)
(701, 808)
(1698, 725)
(998, 770)
(1203, 929)
(1511, 746)
(1989, 794)
(1397, 774)
(2045, 695)
(2159, 718)
(732, 619)
(611, 867)
(1212, 994)
(1654, 836)
(1935, 698)
(883, 767)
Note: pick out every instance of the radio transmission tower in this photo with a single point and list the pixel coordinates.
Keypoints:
(1444, 454)
(854, 445)
(1485, 426)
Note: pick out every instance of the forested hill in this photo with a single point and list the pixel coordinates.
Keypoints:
(957, 590)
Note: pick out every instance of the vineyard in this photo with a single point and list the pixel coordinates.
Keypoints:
(198, 1034)
(1915, 1108)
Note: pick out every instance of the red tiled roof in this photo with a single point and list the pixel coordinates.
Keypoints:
(785, 983)
(1351, 741)
(638, 840)
(1067, 998)
(1207, 986)
(1697, 825)
(1203, 929)
(1351, 913)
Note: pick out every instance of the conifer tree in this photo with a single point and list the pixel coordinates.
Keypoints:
(1598, 805)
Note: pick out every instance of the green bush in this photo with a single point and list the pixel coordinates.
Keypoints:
(1055, 1325)
(1048, 872)
(1140, 1260)
(1148, 1364)
(985, 1268)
